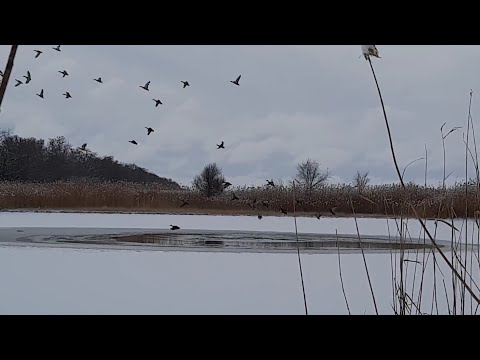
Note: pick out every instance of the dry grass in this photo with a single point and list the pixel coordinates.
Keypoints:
(378, 201)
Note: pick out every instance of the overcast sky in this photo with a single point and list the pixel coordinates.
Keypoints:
(293, 102)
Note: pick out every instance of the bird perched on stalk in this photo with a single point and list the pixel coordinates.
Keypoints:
(370, 50)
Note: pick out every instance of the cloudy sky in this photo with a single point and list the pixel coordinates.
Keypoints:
(293, 103)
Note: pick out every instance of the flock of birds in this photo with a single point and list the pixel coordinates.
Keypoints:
(367, 51)
(68, 95)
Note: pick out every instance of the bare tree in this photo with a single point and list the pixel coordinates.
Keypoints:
(310, 176)
(361, 181)
(210, 181)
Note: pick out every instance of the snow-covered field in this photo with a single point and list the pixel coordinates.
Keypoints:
(42, 280)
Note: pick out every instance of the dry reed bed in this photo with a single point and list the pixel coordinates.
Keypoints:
(375, 200)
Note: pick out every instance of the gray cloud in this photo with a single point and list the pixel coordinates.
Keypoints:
(294, 102)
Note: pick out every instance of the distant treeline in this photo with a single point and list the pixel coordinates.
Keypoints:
(34, 160)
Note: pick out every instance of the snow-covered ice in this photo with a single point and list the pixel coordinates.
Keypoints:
(85, 281)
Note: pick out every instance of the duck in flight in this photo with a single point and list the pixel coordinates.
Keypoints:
(226, 184)
(221, 146)
(28, 77)
(64, 73)
(145, 87)
(184, 203)
(18, 83)
(174, 227)
(185, 84)
(99, 80)
(133, 142)
(83, 148)
(149, 130)
(234, 197)
(57, 48)
(157, 102)
(237, 82)
(41, 94)
(270, 183)
(67, 95)
(38, 53)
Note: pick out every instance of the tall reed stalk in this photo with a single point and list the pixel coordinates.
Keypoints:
(417, 216)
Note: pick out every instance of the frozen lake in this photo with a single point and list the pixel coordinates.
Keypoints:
(59, 263)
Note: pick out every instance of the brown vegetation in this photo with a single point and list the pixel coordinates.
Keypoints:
(133, 197)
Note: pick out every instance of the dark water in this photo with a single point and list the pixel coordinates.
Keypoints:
(203, 240)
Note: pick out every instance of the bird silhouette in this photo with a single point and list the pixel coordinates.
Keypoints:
(84, 148)
(226, 184)
(67, 95)
(260, 217)
(236, 82)
(41, 94)
(234, 197)
(318, 216)
(1, 73)
(270, 183)
(133, 142)
(38, 53)
(57, 48)
(174, 227)
(221, 146)
(64, 73)
(18, 83)
(283, 211)
(185, 84)
(333, 210)
(28, 77)
(145, 87)
(157, 102)
(184, 203)
(99, 80)
(149, 130)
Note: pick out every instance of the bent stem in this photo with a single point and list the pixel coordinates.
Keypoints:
(397, 168)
